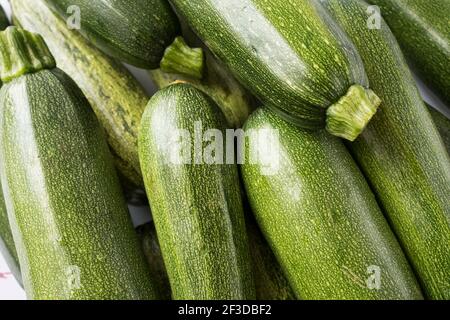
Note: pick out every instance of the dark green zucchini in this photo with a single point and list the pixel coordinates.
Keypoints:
(196, 206)
(401, 152)
(320, 217)
(115, 95)
(291, 56)
(134, 31)
(4, 23)
(152, 251)
(71, 226)
(423, 30)
(443, 125)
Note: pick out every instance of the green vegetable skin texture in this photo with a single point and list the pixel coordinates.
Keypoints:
(107, 25)
(402, 154)
(197, 209)
(289, 54)
(115, 95)
(7, 247)
(66, 208)
(443, 126)
(270, 281)
(423, 30)
(321, 219)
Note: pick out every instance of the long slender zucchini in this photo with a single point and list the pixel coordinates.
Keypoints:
(401, 152)
(115, 95)
(152, 251)
(134, 31)
(423, 30)
(7, 246)
(443, 125)
(291, 56)
(196, 206)
(70, 223)
(320, 217)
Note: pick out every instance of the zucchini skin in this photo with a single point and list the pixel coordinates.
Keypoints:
(115, 95)
(443, 125)
(401, 153)
(423, 31)
(297, 71)
(65, 205)
(197, 209)
(321, 219)
(106, 24)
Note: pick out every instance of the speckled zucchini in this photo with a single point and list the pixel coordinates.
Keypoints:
(443, 126)
(70, 223)
(152, 251)
(291, 56)
(423, 30)
(115, 95)
(320, 217)
(134, 31)
(401, 152)
(196, 206)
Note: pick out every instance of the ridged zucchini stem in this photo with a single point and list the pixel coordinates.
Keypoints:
(181, 59)
(22, 52)
(348, 117)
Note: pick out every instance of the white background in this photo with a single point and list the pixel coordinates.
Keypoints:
(9, 289)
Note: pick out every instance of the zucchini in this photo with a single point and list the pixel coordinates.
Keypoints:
(152, 251)
(115, 95)
(134, 31)
(70, 223)
(423, 30)
(197, 207)
(321, 219)
(443, 125)
(291, 56)
(7, 246)
(401, 152)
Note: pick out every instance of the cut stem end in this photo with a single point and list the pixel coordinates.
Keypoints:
(350, 115)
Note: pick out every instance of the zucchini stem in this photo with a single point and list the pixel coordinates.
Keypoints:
(348, 117)
(181, 59)
(22, 52)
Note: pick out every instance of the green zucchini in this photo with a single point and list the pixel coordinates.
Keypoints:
(152, 251)
(320, 217)
(115, 95)
(401, 152)
(443, 125)
(270, 281)
(134, 31)
(423, 30)
(197, 207)
(7, 247)
(70, 223)
(291, 56)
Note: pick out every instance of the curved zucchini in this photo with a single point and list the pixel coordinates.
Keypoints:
(197, 207)
(152, 251)
(321, 219)
(423, 30)
(71, 226)
(134, 31)
(115, 95)
(291, 56)
(401, 152)
(443, 125)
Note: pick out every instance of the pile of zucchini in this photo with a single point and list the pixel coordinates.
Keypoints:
(356, 205)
